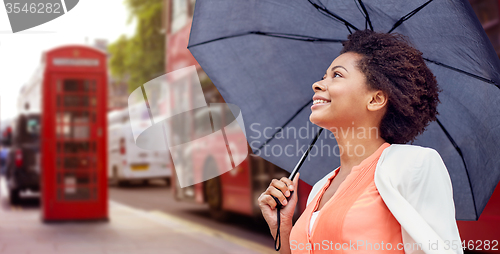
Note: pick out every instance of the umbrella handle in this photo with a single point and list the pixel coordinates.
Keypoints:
(278, 208)
(292, 175)
(278, 235)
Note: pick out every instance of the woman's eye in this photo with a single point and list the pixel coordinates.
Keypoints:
(334, 75)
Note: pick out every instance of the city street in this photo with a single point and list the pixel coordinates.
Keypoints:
(170, 126)
(157, 197)
(143, 219)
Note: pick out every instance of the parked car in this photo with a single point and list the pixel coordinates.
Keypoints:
(23, 159)
(126, 161)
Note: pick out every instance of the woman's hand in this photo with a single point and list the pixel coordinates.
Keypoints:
(281, 189)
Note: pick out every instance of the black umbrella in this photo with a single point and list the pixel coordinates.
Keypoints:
(264, 55)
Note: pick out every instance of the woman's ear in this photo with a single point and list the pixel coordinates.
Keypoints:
(377, 101)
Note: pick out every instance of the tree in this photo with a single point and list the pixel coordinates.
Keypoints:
(141, 57)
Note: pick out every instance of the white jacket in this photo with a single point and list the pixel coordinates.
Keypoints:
(416, 187)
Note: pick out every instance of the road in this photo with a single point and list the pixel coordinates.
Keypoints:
(157, 197)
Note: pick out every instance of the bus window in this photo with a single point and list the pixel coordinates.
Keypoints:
(179, 15)
(216, 112)
(201, 123)
(228, 116)
(191, 7)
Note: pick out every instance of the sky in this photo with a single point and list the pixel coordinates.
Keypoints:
(20, 53)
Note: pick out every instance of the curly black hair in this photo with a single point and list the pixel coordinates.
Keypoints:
(391, 64)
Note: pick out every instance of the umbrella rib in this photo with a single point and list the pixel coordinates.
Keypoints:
(408, 16)
(287, 122)
(450, 138)
(271, 34)
(295, 36)
(367, 17)
(464, 72)
(333, 15)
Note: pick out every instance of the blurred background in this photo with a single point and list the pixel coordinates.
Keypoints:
(68, 152)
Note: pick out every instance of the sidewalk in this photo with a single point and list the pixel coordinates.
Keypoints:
(128, 231)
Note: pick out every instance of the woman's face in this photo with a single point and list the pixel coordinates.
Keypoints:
(344, 92)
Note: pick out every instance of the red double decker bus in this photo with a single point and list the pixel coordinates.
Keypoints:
(238, 189)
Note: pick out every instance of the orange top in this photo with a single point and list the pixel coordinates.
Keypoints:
(354, 220)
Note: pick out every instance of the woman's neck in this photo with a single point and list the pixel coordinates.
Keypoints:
(356, 144)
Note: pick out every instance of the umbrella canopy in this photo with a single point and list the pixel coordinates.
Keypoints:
(264, 57)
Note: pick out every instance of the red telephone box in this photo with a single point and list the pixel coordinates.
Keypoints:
(73, 141)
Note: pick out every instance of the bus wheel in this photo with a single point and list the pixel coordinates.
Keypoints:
(213, 193)
(167, 181)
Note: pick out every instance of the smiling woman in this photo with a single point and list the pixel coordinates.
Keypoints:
(340, 95)
(375, 97)
(386, 68)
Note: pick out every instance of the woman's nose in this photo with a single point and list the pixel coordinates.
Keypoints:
(318, 87)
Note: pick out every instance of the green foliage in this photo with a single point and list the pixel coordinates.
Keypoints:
(142, 56)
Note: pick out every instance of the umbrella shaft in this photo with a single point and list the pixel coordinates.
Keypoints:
(304, 156)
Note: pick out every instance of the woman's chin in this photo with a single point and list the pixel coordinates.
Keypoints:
(322, 122)
(316, 120)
